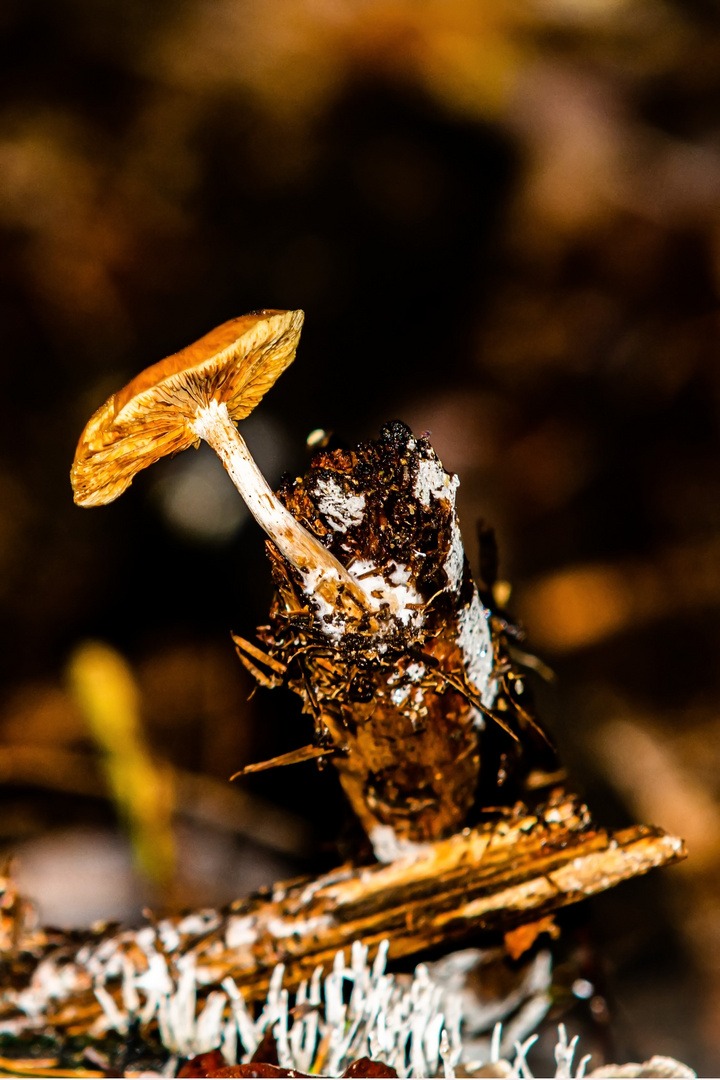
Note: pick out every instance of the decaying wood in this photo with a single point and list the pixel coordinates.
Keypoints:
(404, 702)
(488, 879)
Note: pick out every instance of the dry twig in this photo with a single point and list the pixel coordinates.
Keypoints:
(488, 879)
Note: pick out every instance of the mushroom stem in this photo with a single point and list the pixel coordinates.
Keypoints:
(321, 571)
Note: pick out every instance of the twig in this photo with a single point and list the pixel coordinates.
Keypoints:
(488, 879)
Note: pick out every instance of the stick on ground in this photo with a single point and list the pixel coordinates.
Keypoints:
(492, 878)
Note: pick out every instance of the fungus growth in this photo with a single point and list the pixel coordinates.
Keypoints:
(199, 393)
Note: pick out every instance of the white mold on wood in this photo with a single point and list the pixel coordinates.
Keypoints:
(432, 482)
(475, 643)
(342, 509)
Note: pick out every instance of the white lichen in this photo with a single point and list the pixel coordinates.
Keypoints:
(404, 681)
(391, 584)
(475, 643)
(241, 930)
(399, 695)
(329, 618)
(520, 1010)
(564, 1053)
(412, 1023)
(389, 847)
(282, 928)
(355, 1011)
(341, 509)
(454, 565)
(432, 482)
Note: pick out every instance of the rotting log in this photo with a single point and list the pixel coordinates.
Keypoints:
(401, 708)
(494, 877)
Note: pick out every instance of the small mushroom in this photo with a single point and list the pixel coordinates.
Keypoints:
(199, 393)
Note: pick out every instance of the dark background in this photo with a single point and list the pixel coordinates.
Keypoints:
(503, 223)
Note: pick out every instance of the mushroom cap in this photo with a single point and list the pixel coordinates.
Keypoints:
(153, 415)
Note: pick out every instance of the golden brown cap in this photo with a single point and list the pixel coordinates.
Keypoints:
(152, 416)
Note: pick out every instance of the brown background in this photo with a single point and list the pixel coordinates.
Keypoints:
(503, 222)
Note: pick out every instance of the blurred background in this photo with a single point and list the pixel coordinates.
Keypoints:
(503, 222)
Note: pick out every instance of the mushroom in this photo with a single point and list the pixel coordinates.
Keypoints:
(199, 393)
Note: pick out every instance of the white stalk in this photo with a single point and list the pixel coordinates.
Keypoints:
(324, 573)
